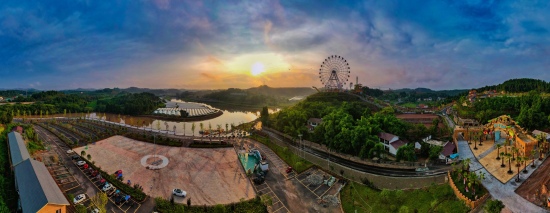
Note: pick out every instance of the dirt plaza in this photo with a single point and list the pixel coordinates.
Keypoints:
(210, 176)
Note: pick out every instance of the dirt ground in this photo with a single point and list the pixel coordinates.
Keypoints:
(493, 166)
(530, 189)
(210, 176)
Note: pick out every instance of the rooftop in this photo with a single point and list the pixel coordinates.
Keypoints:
(36, 186)
(18, 149)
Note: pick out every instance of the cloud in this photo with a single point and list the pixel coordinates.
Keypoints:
(211, 44)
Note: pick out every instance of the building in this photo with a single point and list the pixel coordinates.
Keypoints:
(18, 129)
(391, 142)
(18, 149)
(426, 119)
(1, 98)
(313, 122)
(448, 154)
(36, 188)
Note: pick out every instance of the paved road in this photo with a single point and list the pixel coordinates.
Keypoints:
(504, 192)
(362, 167)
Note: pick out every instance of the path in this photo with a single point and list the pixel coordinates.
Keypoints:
(504, 192)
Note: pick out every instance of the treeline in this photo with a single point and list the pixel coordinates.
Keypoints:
(244, 97)
(347, 127)
(532, 111)
(130, 104)
(106, 100)
(519, 85)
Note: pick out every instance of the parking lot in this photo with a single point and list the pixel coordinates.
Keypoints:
(74, 180)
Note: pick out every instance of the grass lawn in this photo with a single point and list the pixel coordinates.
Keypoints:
(409, 105)
(436, 198)
(290, 158)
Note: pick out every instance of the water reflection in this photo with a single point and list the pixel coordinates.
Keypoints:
(224, 121)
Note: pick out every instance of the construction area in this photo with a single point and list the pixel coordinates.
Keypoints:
(209, 176)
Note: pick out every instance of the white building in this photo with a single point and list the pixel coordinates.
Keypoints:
(391, 142)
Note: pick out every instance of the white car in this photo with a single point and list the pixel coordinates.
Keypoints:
(70, 151)
(107, 187)
(179, 192)
(79, 199)
(81, 163)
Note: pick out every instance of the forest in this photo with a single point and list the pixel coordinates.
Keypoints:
(349, 125)
(255, 96)
(107, 100)
(519, 85)
(531, 111)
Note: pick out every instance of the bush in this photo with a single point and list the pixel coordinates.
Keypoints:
(207, 145)
(255, 205)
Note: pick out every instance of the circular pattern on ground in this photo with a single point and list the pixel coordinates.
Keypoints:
(151, 166)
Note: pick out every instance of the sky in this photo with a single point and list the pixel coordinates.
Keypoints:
(212, 44)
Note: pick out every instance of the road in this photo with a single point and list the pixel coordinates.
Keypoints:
(362, 167)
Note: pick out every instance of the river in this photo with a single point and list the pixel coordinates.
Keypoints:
(228, 117)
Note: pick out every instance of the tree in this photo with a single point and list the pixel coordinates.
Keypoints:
(435, 151)
(406, 152)
(89, 157)
(80, 209)
(502, 155)
(264, 115)
(493, 206)
(498, 150)
(508, 156)
(100, 201)
(82, 153)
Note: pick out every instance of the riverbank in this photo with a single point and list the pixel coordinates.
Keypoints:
(188, 119)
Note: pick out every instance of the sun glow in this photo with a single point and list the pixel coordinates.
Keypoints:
(257, 68)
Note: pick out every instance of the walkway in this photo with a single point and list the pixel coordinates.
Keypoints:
(504, 192)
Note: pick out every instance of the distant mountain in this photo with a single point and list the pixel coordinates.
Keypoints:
(286, 92)
(427, 90)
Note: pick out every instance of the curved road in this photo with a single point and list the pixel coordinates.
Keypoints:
(363, 167)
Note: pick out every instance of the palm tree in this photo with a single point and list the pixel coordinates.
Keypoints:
(524, 160)
(509, 158)
(506, 143)
(210, 131)
(193, 128)
(519, 160)
(466, 164)
(514, 152)
(474, 139)
(498, 150)
(219, 128)
(481, 136)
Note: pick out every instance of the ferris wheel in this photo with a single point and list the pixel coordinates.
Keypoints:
(334, 72)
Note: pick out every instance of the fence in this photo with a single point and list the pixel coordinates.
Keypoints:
(470, 203)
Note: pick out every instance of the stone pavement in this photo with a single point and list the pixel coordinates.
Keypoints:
(504, 192)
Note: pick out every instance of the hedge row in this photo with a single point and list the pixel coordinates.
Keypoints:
(58, 134)
(137, 194)
(159, 139)
(207, 145)
(254, 205)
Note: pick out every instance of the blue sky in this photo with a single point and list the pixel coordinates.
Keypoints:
(63, 44)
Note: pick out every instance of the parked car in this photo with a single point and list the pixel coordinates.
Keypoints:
(259, 179)
(75, 157)
(120, 198)
(70, 151)
(179, 192)
(79, 199)
(80, 163)
(111, 191)
(102, 183)
(107, 187)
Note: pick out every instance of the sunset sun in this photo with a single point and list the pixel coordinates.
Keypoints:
(257, 68)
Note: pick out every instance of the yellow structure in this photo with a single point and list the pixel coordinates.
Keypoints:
(502, 126)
